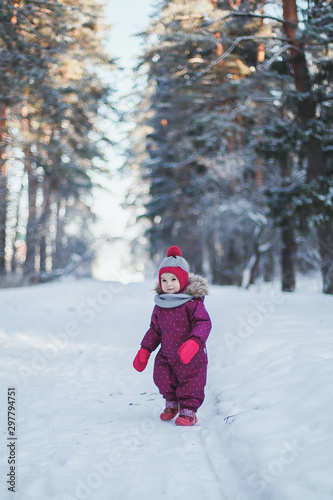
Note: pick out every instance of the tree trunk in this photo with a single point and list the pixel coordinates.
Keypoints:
(288, 251)
(14, 263)
(268, 267)
(325, 240)
(298, 61)
(253, 267)
(3, 217)
(31, 238)
(42, 254)
(58, 261)
(192, 247)
(316, 161)
(3, 189)
(43, 226)
(214, 257)
(30, 269)
(3, 221)
(288, 256)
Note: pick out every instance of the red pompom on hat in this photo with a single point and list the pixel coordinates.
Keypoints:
(176, 264)
(173, 252)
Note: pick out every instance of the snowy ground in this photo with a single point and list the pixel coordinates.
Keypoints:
(87, 424)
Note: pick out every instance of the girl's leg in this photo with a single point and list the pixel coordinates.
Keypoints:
(165, 378)
(191, 387)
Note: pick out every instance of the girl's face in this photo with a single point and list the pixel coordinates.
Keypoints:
(170, 283)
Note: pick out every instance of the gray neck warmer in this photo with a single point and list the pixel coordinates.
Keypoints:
(169, 300)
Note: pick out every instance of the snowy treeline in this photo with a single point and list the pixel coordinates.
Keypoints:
(233, 143)
(52, 101)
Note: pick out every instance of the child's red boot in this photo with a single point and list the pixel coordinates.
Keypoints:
(171, 410)
(186, 417)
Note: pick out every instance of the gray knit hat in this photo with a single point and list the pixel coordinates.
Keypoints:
(176, 264)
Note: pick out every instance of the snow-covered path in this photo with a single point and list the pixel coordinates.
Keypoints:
(88, 424)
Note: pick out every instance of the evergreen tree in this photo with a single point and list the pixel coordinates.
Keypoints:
(303, 140)
(59, 94)
(232, 110)
(198, 167)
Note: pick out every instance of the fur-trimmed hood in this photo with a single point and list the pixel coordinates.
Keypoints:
(197, 286)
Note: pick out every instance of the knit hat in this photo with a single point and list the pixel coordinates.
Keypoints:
(174, 263)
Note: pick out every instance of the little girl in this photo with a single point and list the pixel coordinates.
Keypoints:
(181, 324)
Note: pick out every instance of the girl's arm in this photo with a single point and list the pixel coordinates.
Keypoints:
(152, 339)
(200, 321)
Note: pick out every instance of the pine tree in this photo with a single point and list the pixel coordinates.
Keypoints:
(304, 201)
(58, 99)
(237, 129)
(198, 163)
(175, 161)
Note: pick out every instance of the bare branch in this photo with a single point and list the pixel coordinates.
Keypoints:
(246, 14)
(228, 51)
(52, 4)
(266, 64)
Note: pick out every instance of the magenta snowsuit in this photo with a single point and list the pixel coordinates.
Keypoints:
(171, 327)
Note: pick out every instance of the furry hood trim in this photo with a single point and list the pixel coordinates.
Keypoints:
(197, 286)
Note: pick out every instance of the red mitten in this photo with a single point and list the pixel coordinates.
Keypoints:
(141, 360)
(188, 350)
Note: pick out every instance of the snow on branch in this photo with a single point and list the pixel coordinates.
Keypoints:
(287, 46)
(53, 4)
(228, 52)
(246, 14)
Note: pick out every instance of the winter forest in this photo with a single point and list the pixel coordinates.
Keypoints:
(159, 201)
(230, 154)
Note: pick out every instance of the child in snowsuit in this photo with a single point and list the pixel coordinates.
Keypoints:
(181, 324)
